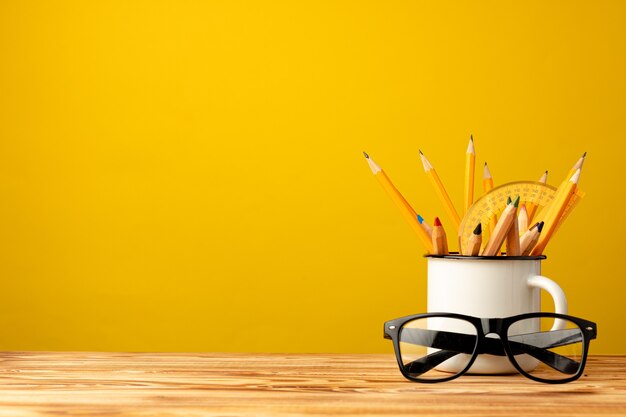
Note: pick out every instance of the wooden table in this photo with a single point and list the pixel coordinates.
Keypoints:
(235, 384)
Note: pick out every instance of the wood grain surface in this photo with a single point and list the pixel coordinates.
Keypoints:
(237, 384)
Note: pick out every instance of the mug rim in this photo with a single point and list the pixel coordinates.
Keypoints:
(456, 255)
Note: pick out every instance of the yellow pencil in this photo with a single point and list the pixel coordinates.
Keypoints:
(405, 208)
(532, 207)
(441, 191)
(487, 186)
(470, 161)
(440, 241)
(505, 221)
(578, 165)
(555, 211)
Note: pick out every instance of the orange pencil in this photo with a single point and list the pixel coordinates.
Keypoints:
(473, 245)
(505, 221)
(440, 242)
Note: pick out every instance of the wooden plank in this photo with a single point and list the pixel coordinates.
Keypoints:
(237, 384)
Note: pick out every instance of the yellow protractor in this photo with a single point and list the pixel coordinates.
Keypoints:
(492, 204)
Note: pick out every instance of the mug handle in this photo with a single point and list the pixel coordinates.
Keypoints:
(560, 302)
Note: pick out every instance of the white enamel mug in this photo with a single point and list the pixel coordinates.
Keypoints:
(490, 287)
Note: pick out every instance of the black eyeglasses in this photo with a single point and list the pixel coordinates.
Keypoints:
(438, 347)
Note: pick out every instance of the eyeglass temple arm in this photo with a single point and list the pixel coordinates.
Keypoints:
(453, 344)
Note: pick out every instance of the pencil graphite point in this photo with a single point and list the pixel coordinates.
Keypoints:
(486, 172)
(437, 221)
(425, 162)
(539, 226)
(470, 146)
(420, 152)
(516, 201)
(508, 200)
(420, 219)
(366, 155)
(373, 165)
(478, 229)
(580, 162)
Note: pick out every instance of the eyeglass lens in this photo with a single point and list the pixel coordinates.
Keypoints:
(435, 348)
(548, 348)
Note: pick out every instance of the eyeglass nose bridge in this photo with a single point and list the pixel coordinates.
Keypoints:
(492, 325)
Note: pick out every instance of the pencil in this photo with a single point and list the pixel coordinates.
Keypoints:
(502, 228)
(470, 161)
(563, 194)
(440, 242)
(441, 191)
(578, 165)
(425, 226)
(487, 186)
(512, 237)
(530, 238)
(532, 207)
(473, 245)
(522, 219)
(487, 180)
(405, 208)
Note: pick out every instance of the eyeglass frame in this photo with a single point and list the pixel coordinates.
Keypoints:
(485, 326)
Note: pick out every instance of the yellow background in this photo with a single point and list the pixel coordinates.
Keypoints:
(188, 175)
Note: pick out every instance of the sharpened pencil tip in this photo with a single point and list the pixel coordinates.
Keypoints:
(516, 202)
(470, 146)
(421, 153)
(575, 177)
(366, 155)
(437, 221)
(478, 230)
(420, 219)
(486, 172)
(585, 155)
(539, 226)
(471, 137)
(508, 200)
